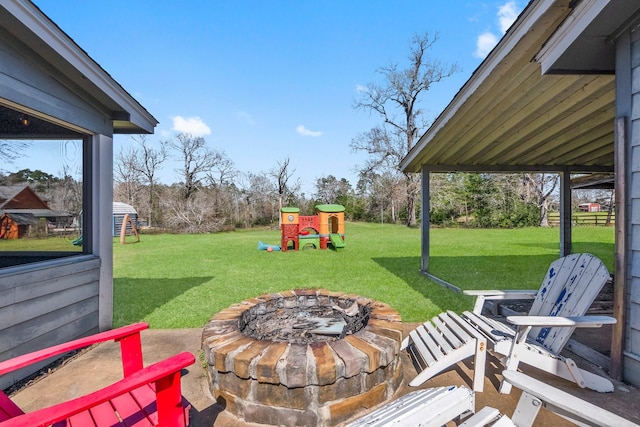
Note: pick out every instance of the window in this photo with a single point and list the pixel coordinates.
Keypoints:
(42, 190)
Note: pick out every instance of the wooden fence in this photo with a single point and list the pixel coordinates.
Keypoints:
(585, 218)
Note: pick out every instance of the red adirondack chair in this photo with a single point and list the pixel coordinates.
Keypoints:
(148, 396)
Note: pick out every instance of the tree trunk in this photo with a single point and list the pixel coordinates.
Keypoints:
(413, 189)
(544, 210)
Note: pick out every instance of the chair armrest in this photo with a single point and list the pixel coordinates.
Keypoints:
(564, 404)
(483, 295)
(119, 334)
(151, 374)
(557, 321)
(508, 294)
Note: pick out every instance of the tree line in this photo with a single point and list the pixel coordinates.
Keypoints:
(219, 197)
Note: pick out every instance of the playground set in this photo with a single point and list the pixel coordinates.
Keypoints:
(320, 230)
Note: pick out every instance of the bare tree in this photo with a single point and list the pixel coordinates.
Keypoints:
(12, 149)
(396, 102)
(147, 163)
(196, 159)
(541, 187)
(282, 175)
(192, 215)
(255, 199)
(223, 172)
(127, 176)
(329, 189)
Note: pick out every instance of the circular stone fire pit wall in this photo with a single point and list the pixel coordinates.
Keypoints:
(301, 374)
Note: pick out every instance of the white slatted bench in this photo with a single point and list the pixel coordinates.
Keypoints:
(441, 343)
(426, 407)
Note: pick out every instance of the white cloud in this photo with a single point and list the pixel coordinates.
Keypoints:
(191, 125)
(361, 89)
(306, 132)
(246, 117)
(486, 41)
(507, 14)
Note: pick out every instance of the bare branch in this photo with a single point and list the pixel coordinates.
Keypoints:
(397, 104)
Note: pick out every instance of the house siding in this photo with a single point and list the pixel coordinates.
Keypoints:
(27, 80)
(631, 362)
(46, 304)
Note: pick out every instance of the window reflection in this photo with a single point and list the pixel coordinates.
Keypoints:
(41, 196)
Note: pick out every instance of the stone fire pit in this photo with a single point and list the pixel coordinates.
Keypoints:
(303, 357)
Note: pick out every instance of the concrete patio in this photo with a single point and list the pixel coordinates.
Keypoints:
(100, 366)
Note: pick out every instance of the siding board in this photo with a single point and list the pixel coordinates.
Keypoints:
(37, 307)
(76, 329)
(45, 304)
(34, 329)
(46, 271)
(631, 360)
(32, 291)
(632, 370)
(27, 80)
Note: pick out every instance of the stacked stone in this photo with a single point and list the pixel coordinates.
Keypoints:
(321, 383)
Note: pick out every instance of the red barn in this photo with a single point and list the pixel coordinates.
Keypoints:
(21, 209)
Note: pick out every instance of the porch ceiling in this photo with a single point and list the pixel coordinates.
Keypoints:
(510, 117)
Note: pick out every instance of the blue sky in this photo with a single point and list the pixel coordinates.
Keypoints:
(266, 80)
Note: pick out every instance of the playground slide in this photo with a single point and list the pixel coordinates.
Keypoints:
(336, 241)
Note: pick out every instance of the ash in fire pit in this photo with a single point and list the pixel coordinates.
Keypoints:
(303, 322)
(304, 357)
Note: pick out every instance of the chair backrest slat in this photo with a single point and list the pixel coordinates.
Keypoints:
(569, 288)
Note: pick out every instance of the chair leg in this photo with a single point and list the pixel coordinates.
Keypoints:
(527, 410)
(479, 363)
(169, 401)
(513, 359)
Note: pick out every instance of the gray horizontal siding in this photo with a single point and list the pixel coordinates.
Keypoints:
(631, 362)
(27, 80)
(46, 304)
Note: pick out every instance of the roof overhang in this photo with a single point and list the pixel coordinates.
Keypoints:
(74, 66)
(509, 116)
(584, 43)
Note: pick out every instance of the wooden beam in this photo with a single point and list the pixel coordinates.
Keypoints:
(549, 116)
(519, 168)
(556, 125)
(566, 146)
(620, 271)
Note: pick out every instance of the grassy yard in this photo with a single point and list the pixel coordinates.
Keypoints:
(175, 281)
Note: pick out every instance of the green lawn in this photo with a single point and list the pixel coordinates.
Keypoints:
(175, 281)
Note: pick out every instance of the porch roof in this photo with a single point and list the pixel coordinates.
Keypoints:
(37, 35)
(509, 116)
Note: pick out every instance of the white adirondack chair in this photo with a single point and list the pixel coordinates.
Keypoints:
(426, 407)
(537, 395)
(434, 407)
(568, 290)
